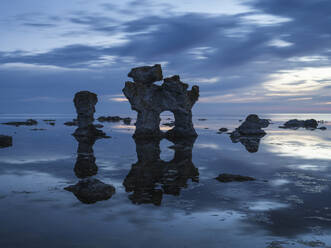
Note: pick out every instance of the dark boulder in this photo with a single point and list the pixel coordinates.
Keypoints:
(295, 124)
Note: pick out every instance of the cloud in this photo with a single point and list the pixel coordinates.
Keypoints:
(266, 50)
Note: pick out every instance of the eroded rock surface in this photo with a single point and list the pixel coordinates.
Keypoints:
(146, 74)
(5, 141)
(91, 190)
(85, 102)
(295, 124)
(150, 100)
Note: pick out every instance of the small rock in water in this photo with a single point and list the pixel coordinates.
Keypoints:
(98, 125)
(5, 141)
(71, 123)
(169, 124)
(109, 119)
(37, 129)
(127, 120)
(225, 178)
(202, 119)
(250, 132)
(322, 128)
(29, 122)
(222, 130)
(295, 124)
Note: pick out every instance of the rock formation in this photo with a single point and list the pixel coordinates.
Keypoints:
(5, 141)
(250, 132)
(126, 120)
(29, 122)
(150, 100)
(85, 102)
(295, 124)
(152, 177)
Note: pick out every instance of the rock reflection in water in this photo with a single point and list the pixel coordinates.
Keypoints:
(251, 142)
(88, 190)
(152, 177)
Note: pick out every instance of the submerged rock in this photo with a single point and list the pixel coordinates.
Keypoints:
(150, 100)
(29, 122)
(295, 124)
(322, 128)
(91, 190)
(225, 178)
(5, 141)
(38, 129)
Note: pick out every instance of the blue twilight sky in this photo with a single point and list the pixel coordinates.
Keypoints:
(246, 55)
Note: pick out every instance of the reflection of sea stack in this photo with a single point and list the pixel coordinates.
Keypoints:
(88, 190)
(85, 164)
(250, 132)
(85, 102)
(151, 177)
(150, 100)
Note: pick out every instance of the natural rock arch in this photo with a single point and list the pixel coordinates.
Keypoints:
(150, 100)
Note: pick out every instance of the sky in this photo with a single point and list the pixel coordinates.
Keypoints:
(247, 56)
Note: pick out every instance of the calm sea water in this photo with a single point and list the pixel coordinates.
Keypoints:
(175, 202)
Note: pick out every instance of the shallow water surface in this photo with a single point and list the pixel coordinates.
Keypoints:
(166, 196)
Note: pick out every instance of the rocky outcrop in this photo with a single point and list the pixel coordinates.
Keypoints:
(91, 190)
(126, 120)
(5, 141)
(226, 178)
(85, 102)
(29, 122)
(150, 100)
(295, 124)
(250, 132)
(74, 122)
(152, 177)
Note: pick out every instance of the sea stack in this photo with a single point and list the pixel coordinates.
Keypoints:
(85, 102)
(150, 100)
